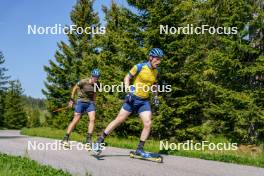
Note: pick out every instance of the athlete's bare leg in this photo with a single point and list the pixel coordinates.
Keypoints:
(90, 125)
(121, 117)
(75, 120)
(146, 119)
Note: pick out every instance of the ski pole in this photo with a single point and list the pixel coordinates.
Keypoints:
(60, 109)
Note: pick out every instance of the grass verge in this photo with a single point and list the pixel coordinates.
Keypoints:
(247, 155)
(21, 166)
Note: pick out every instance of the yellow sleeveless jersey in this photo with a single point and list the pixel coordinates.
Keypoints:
(145, 77)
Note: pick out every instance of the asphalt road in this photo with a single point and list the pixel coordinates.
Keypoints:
(115, 161)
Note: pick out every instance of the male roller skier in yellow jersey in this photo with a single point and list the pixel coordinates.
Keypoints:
(145, 75)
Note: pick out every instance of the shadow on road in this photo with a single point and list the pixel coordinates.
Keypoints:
(101, 157)
(12, 137)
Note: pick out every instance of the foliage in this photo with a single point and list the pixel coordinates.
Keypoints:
(65, 71)
(21, 166)
(3, 83)
(217, 80)
(14, 113)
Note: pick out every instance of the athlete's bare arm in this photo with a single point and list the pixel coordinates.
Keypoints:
(127, 81)
(74, 90)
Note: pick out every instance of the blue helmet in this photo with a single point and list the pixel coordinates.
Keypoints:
(96, 73)
(156, 52)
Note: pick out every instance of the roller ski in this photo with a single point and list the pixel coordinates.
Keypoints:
(141, 154)
(65, 144)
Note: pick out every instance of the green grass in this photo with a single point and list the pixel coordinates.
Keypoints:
(243, 155)
(21, 166)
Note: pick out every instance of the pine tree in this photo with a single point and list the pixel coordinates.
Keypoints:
(66, 71)
(3, 82)
(237, 71)
(217, 80)
(33, 118)
(14, 115)
(3, 77)
(214, 78)
(120, 49)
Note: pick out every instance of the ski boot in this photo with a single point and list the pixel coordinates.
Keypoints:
(96, 148)
(88, 144)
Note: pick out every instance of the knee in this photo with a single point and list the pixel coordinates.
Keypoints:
(92, 120)
(147, 124)
(77, 115)
(76, 118)
(118, 121)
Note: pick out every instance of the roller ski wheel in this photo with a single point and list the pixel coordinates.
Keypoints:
(151, 157)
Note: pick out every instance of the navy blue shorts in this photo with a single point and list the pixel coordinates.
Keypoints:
(82, 107)
(136, 104)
